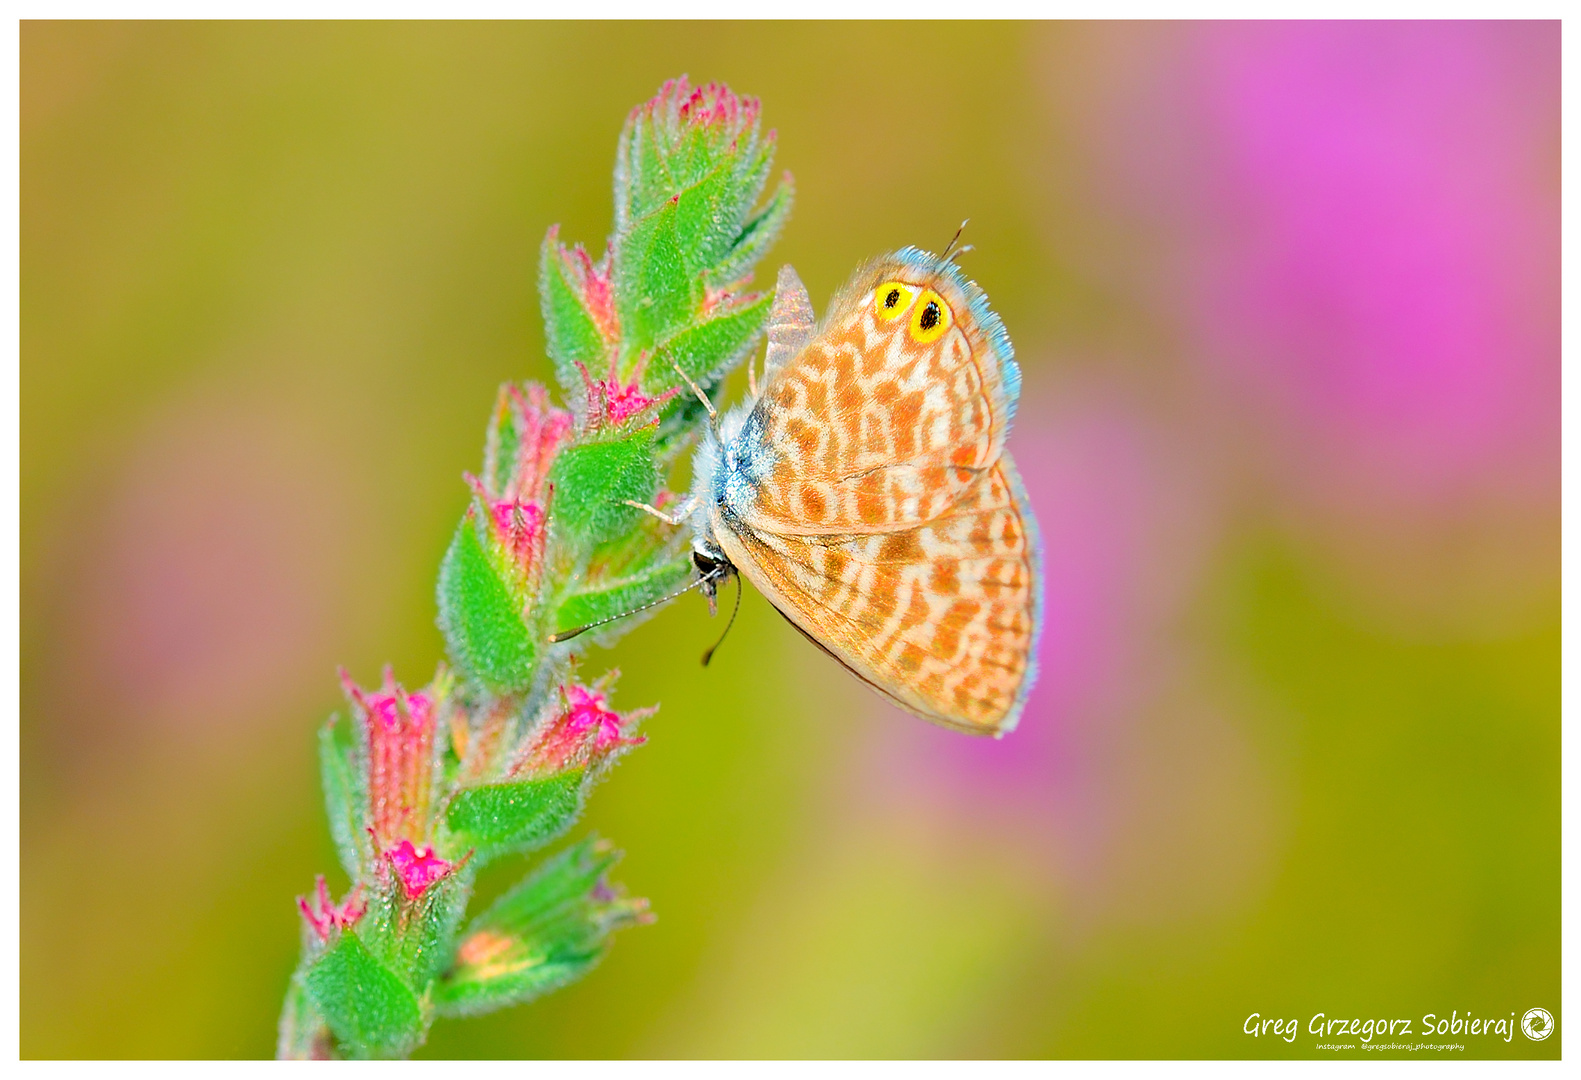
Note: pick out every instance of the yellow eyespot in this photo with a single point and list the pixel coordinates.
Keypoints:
(931, 318)
(891, 299)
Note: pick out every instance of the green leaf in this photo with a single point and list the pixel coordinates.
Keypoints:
(431, 933)
(616, 595)
(480, 615)
(656, 290)
(498, 818)
(756, 238)
(705, 352)
(344, 793)
(571, 333)
(706, 220)
(501, 443)
(413, 937)
(370, 1010)
(592, 480)
(548, 930)
(643, 179)
(521, 978)
(751, 177)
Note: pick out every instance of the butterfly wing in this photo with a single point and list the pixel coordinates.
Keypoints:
(791, 324)
(869, 427)
(942, 618)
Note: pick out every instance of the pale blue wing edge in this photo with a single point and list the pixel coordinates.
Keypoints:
(977, 302)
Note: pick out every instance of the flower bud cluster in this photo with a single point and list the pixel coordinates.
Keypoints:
(496, 755)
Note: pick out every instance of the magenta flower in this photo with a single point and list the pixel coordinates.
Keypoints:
(417, 869)
(611, 402)
(623, 401)
(323, 916)
(583, 733)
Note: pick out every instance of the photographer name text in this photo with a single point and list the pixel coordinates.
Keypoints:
(1366, 1029)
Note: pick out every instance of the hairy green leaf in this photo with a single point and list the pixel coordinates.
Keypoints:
(370, 1010)
(656, 290)
(548, 930)
(706, 217)
(755, 238)
(303, 1033)
(344, 793)
(499, 818)
(593, 480)
(571, 333)
(412, 936)
(705, 352)
(618, 595)
(481, 617)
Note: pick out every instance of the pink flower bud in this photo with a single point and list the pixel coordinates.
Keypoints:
(592, 282)
(518, 527)
(399, 729)
(713, 107)
(583, 733)
(543, 430)
(417, 869)
(525, 436)
(611, 401)
(322, 914)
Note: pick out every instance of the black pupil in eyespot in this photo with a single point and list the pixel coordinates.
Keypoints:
(892, 298)
(930, 316)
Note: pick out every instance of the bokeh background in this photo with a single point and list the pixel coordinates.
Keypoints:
(1287, 300)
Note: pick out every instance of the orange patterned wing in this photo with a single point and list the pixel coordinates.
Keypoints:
(885, 418)
(942, 618)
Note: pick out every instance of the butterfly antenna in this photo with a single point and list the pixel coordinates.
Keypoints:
(566, 635)
(962, 250)
(951, 245)
(709, 655)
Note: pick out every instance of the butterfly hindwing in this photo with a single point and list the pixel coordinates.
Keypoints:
(942, 618)
(791, 324)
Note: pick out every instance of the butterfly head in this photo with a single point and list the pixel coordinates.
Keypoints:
(713, 569)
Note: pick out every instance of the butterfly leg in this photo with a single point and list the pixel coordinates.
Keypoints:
(713, 414)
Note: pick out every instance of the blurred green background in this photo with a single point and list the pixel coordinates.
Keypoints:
(1286, 298)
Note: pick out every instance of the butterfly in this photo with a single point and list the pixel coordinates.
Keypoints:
(865, 491)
